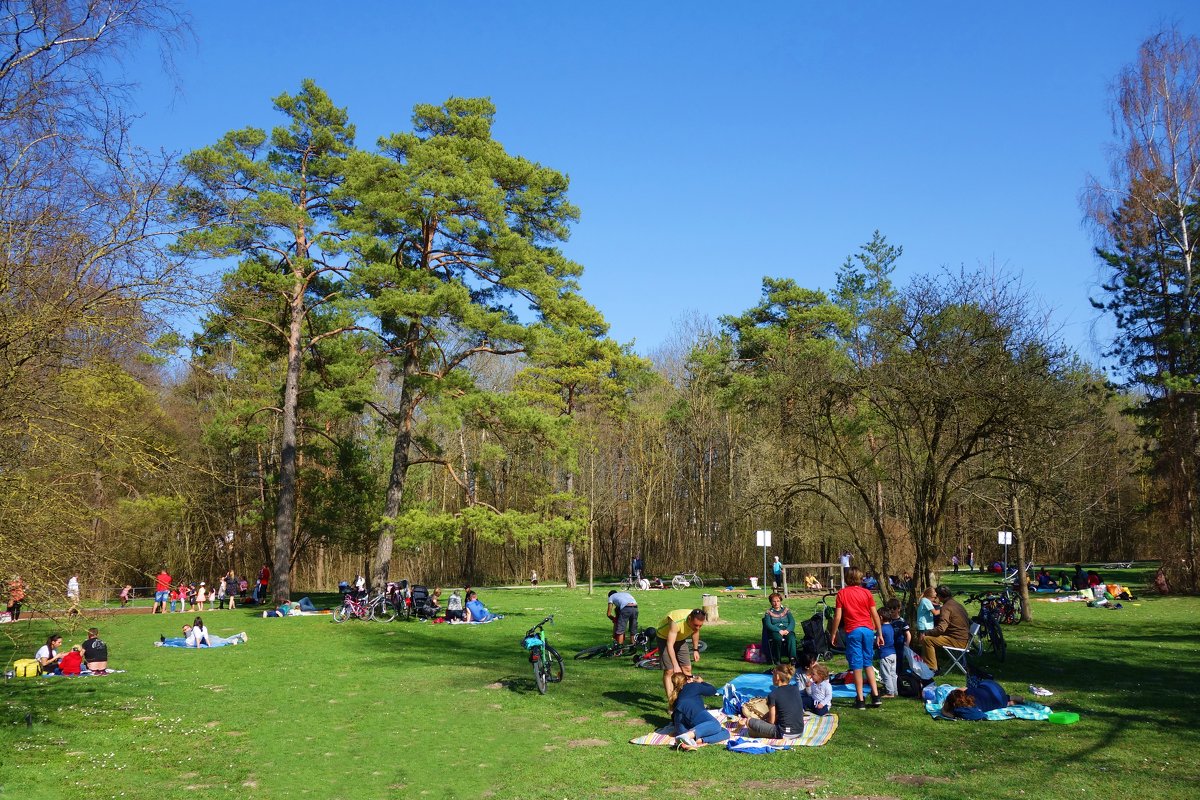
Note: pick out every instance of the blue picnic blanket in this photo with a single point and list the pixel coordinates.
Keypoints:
(749, 685)
(179, 641)
(1031, 711)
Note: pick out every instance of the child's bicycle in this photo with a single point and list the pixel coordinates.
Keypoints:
(642, 640)
(547, 663)
(652, 659)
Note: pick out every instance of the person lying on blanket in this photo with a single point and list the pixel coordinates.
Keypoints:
(974, 702)
(196, 635)
(476, 610)
(692, 722)
(785, 708)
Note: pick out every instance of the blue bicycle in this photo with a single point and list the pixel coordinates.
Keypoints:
(547, 663)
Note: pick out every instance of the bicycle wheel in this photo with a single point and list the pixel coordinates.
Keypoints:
(698, 581)
(340, 614)
(648, 662)
(554, 665)
(620, 650)
(679, 582)
(591, 652)
(999, 646)
(383, 611)
(539, 673)
(1017, 608)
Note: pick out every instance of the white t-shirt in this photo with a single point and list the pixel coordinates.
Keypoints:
(197, 635)
(73, 587)
(44, 652)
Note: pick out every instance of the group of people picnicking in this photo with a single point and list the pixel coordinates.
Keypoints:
(90, 656)
(801, 684)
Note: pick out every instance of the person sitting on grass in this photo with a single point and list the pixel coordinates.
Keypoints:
(196, 635)
(477, 611)
(48, 656)
(95, 651)
(692, 723)
(785, 707)
(974, 702)
(818, 694)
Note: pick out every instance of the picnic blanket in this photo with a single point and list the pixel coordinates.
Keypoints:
(179, 641)
(84, 673)
(817, 731)
(749, 685)
(492, 618)
(666, 734)
(1030, 711)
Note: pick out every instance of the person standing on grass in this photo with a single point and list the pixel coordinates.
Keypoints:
(264, 580)
(73, 595)
(162, 591)
(231, 589)
(679, 634)
(623, 611)
(857, 621)
(16, 595)
(777, 574)
(954, 561)
(971, 557)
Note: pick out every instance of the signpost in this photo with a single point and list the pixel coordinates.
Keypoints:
(764, 541)
(1005, 538)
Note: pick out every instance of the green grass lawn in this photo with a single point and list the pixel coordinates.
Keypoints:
(361, 710)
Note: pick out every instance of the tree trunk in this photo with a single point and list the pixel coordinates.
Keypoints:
(402, 419)
(571, 578)
(285, 507)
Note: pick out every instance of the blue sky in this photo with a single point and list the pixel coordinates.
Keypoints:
(709, 145)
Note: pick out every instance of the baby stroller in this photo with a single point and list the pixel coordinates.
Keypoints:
(422, 606)
(816, 638)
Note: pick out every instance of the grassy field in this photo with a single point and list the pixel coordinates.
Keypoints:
(309, 708)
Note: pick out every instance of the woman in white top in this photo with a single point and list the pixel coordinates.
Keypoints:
(47, 655)
(196, 635)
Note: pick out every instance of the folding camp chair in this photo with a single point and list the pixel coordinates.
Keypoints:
(958, 659)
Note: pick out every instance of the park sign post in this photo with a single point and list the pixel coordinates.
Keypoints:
(1005, 538)
(764, 541)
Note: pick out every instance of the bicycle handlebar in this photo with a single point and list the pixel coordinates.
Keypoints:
(536, 628)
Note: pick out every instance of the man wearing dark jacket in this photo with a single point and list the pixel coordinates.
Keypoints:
(953, 628)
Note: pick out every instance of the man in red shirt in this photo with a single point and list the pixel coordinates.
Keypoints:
(162, 588)
(264, 580)
(857, 619)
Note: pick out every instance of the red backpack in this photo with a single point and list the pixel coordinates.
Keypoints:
(71, 663)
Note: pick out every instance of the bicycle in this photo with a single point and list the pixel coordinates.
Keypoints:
(627, 583)
(642, 640)
(685, 579)
(547, 663)
(652, 659)
(990, 608)
(352, 608)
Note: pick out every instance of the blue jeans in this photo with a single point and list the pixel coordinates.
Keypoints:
(306, 604)
(708, 731)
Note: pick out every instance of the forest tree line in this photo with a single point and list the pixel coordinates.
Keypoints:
(392, 370)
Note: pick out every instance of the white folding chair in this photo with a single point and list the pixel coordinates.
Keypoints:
(958, 659)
